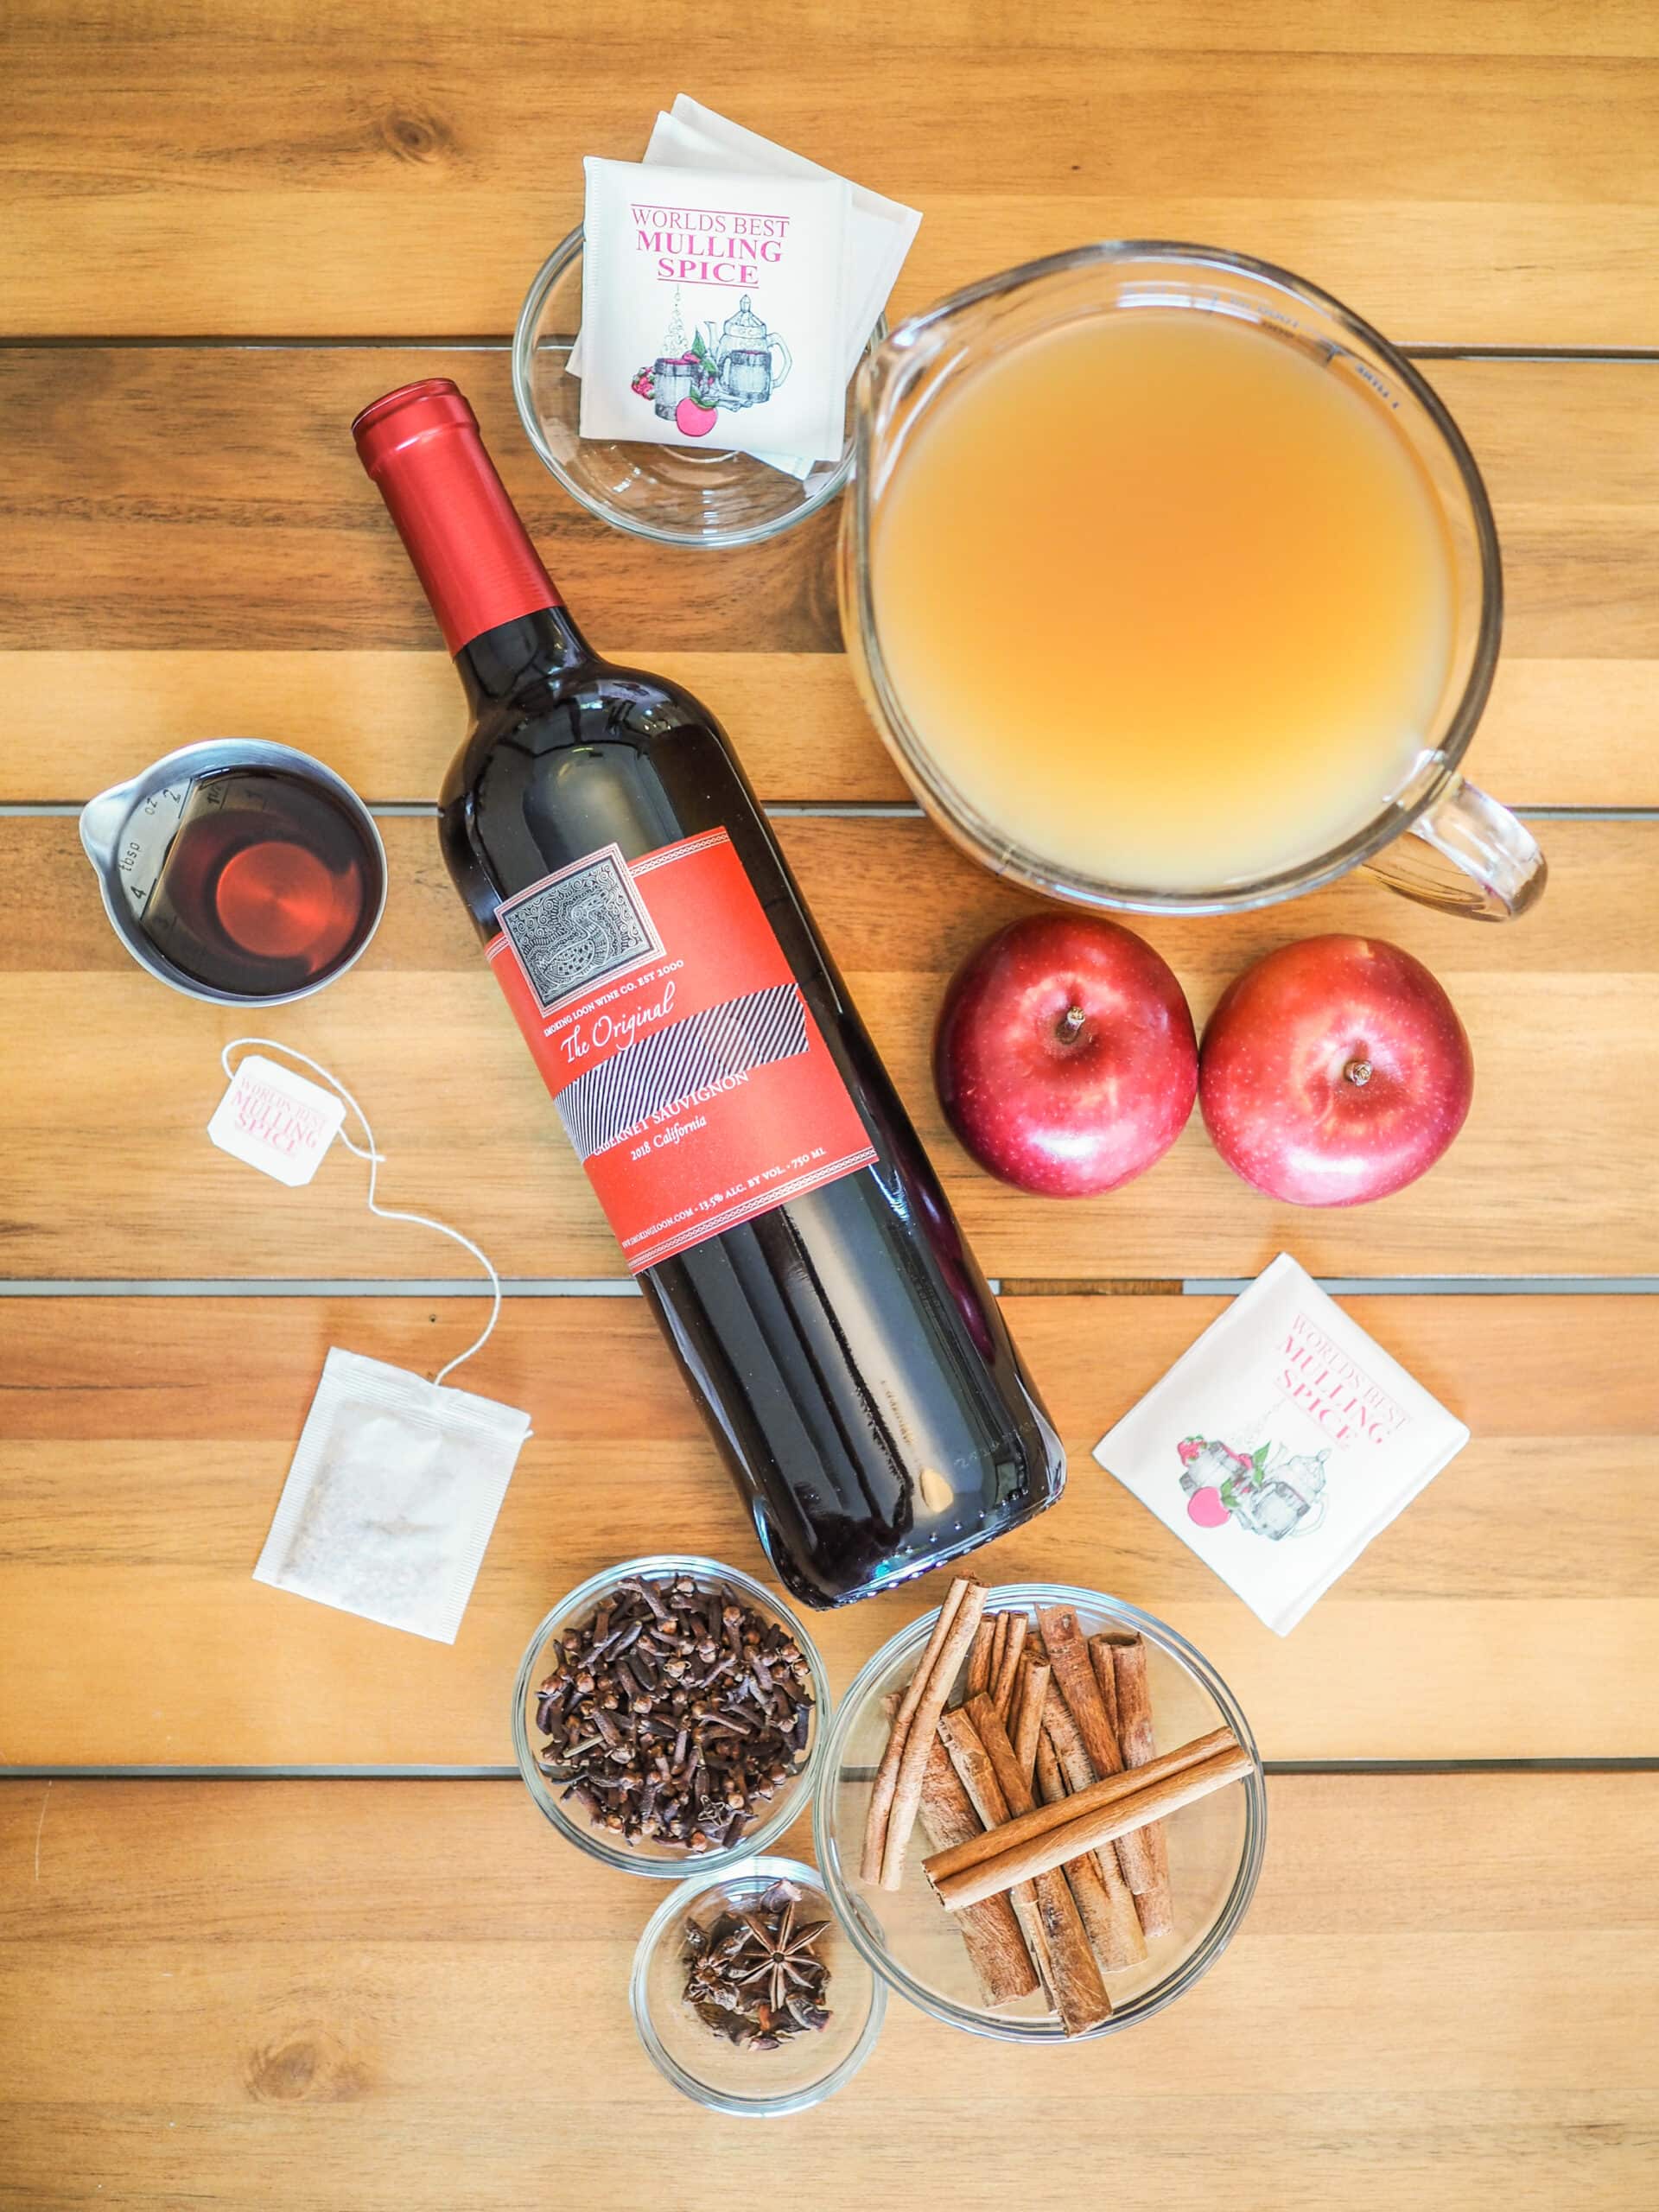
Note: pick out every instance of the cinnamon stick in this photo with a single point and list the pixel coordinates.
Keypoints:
(1030, 1695)
(1007, 1668)
(1079, 1993)
(1127, 1665)
(1075, 1763)
(1074, 1673)
(1106, 1909)
(996, 1950)
(923, 1719)
(979, 1658)
(1037, 1859)
(978, 1777)
(1100, 1658)
(999, 1642)
(1077, 1770)
(877, 1817)
(1045, 1819)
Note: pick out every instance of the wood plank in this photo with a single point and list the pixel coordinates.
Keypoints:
(1563, 1010)
(194, 497)
(247, 1995)
(147, 1441)
(1614, 29)
(256, 170)
(1557, 732)
(389, 723)
(201, 498)
(180, 563)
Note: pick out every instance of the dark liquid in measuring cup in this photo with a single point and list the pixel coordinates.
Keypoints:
(267, 883)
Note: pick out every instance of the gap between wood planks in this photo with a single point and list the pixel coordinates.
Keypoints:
(495, 343)
(1003, 1286)
(1279, 1770)
(836, 809)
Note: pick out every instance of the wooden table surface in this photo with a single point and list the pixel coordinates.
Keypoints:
(276, 1928)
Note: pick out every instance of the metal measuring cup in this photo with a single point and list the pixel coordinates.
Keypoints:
(128, 830)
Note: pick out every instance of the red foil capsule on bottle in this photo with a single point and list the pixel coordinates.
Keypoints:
(422, 447)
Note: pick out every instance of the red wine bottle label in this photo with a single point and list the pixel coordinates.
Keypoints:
(686, 1065)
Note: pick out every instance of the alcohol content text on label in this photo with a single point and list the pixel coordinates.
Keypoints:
(685, 1063)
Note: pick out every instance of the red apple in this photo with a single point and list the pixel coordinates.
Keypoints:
(1065, 1057)
(1333, 1071)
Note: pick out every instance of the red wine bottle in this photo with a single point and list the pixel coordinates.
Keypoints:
(751, 1156)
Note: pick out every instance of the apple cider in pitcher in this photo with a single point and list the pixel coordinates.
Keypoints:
(1165, 598)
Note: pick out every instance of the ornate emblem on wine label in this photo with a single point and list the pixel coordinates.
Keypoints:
(579, 927)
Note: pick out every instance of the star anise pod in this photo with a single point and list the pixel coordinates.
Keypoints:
(781, 1951)
(754, 1973)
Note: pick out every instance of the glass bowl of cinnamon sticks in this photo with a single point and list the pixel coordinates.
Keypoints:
(669, 1716)
(1041, 1814)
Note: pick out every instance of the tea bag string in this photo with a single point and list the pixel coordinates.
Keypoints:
(371, 1152)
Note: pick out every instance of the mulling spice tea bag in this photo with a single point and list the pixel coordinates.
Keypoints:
(391, 1496)
(1281, 1443)
(395, 1483)
(713, 308)
(880, 232)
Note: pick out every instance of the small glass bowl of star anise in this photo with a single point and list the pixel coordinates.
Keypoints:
(747, 1994)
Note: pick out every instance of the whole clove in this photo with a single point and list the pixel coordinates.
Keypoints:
(754, 1974)
(674, 1713)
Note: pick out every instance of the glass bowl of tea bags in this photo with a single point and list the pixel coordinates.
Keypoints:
(676, 495)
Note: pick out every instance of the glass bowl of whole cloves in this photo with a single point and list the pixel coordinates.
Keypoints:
(669, 1713)
(748, 1994)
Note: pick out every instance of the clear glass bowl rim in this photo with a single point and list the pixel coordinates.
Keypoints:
(846, 1904)
(790, 1799)
(679, 1901)
(563, 255)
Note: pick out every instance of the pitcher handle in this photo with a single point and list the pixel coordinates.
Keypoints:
(777, 375)
(1466, 854)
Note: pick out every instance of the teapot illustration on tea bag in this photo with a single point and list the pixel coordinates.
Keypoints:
(742, 352)
(1272, 1500)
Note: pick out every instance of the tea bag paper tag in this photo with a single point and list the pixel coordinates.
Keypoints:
(276, 1120)
(1281, 1443)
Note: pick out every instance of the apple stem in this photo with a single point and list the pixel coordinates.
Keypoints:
(1070, 1024)
(1359, 1073)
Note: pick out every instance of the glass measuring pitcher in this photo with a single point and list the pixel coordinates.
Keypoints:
(1414, 820)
